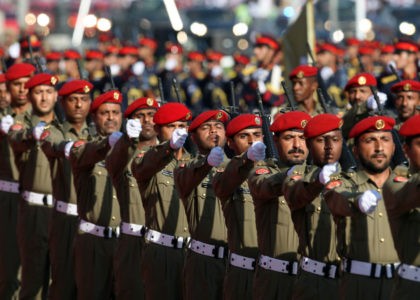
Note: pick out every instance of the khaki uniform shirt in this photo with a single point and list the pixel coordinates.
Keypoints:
(365, 237)
(154, 171)
(231, 187)
(96, 197)
(204, 210)
(276, 234)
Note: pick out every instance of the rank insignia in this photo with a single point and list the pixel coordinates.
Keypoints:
(262, 171)
(333, 184)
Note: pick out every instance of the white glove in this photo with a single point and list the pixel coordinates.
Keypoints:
(6, 122)
(326, 73)
(216, 71)
(368, 201)
(260, 74)
(371, 103)
(138, 68)
(170, 64)
(133, 128)
(256, 151)
(67, 149)
(215, 157)
(326, 172)
(178, 138)
(114, 137)
(38, 130)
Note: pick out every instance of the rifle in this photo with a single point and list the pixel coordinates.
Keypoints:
(394, 71)
(80, 69)
(233, 110)
(33, 60)
(3, 65)
(162, 94)
(111, 79)
(289, 98)
(347, 161)
(271, 150)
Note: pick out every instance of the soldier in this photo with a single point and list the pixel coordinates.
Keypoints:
(52, 64)
(35, 186)
(16, 76)
(205, 263)
(407, 98)
(75, 100)
(94, 66)
(167, 224)
(231, 187)
(5, 99)
(70, 64)
(213, 94)
(365, 243)
(319, 265)
(277, 238)
(139, 134)
(401, 197)
(97, 205)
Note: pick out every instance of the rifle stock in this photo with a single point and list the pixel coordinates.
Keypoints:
(289, 98)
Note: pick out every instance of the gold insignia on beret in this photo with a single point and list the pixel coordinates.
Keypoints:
(379, 124)
(53, 80)
(300, 74)
(188, 116)
(86, 89)
(116, 95)
(361, 80)
(303, 123)
(149, 101)
(340, 124)
(407, 87)
(257, 120)
(219, 115)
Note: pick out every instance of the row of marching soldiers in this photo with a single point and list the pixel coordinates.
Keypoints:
(131, 214)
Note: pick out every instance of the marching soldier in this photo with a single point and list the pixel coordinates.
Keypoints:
(231, 187)
(139, 134)
(167, 223)
(205, 264)
(277, 238)
(35, 186)
(5, 99)
(75, 100)
(97, 205)
(407, 98)
(319, 265)
(365, 245)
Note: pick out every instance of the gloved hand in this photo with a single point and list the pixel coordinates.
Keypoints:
(178, 138)
(38, 130)
(326, 172)
(368, 201)
(133, 128)
(67, 149)
(114, 137)
(256, 151)
(371, 103)
(215, 157)
(326, 73)
(6, 122)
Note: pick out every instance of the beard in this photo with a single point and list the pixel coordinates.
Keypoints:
(372, 167)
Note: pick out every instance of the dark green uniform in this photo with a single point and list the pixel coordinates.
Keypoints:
(167, 223)
(97, 205)
(365, 242)
(205, 264)
(402, 201)
(231, 187)
(64, 218)
(319, 266)
(277, 238)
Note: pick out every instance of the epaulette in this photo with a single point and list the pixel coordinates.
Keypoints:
(298, 172)
(249, 70)
(388, 79)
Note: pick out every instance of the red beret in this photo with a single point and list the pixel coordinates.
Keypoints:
(53, 55)
(214, 56)
(387, 49)
(35, 42)
(326, 47)
(139, 103)
(112, 96)
(94, 54)
(241, 122)
(375, 123)
(2, 78)
(290, 120)
(19, 70)
(148, 42)
(321, 124)
(411, 127)
(216, 115)
(352, 42)
(303, 71)
(197, 56)
(173, 48)
(72, 54)
(41, 79)
(111, 50)
(406, 46)
(75, 86)
(172, 112)
(266, 40)
(241, 59)
(405, 86)
(362, 79)
(366, 50)
(128, 50)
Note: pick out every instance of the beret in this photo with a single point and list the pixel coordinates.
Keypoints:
(173, 48)
(411, 127)
(41, 79)
(144, 102)
(148, 42)
(366, 50)
(321, 124)
(53, 55)
(406, 46)
(241, 122)
(214, 56)
(33, 39)
(128, 50)
(216, 115)
(303, 71)
(352, 42)
(405, 86)
(387, 49)
(290, 120)
(111, 49)
(326, 47)
(75, 86)
(197, 56)
(19, 70)
(94, 54)
(361, 79)
(112, 96)
(241, 59)
(172, 112)
(265, 40)
(375, 123)
(2, 78)
(72, 54)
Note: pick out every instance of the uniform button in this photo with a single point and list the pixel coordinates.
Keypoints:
(381, 214)
(99, 173)
(282, 201)
(132, 184)
(204, 195)
(113, 218)
(382, 240)
(318, 209)
(114, 197)
(185, 229)
(379, 190)
(167, 182)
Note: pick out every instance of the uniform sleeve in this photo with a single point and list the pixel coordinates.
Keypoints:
(236, 172)
(264, 184)
(20, 139)
(119, 156)
(341, 198)
(53, 145)
(85, 155)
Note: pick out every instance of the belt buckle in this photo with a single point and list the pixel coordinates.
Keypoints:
(177, 242)
(45, 200)
(327, 269)
(292, 267)
(143, 230)
(110, 232)
(218, 251)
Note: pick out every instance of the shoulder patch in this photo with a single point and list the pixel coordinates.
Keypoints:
(388, 79)
(141, 154)
(182, 165)
(400, 179)
(16, 127)
(296, 177)
(45, 134)
(262, 171)
(333, 184)
(79, 143)
(220, 170)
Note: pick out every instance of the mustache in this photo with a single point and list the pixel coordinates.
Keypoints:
(110, 123)
(296, 150)
(381, 155)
